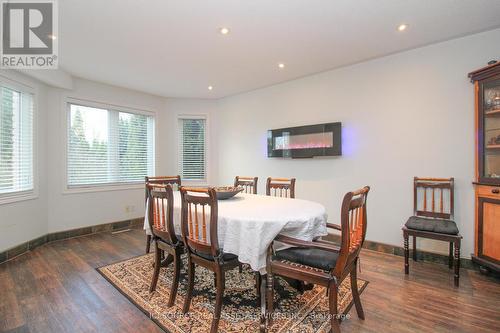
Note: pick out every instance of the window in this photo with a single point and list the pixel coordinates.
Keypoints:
(192, 148)
(108, 146)
(16, 142)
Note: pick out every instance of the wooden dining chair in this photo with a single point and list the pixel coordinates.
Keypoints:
(321, 262)
(175, 181)
(280, 187)
(433, 209)
(199, 213)
(249, 184)
(161, 222)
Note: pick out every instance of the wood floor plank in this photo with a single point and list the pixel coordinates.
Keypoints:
(11, 316)
(55, 288)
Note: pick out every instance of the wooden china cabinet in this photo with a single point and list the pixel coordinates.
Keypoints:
(487, 183)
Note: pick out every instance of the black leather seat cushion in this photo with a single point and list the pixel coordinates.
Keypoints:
(316, 258)
(440, 226)
(166, 240)
(225, 256)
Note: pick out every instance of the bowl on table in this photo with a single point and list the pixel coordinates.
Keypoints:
(226, 192)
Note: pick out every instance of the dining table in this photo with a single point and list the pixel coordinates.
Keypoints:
(248, 223)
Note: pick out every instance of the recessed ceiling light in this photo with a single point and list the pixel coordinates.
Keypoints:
(53, 37)
(281, 65)
(224, 31)
(210, 87)
(402, 27)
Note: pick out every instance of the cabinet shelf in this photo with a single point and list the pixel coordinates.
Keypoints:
(492, 146)
(492, 113)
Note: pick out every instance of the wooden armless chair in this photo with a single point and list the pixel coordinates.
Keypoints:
(280, 187)
(433, 218)
(198, 205)
(161, 222)
(285, 188)
(175, 181)
(321, 262)
(249, 184)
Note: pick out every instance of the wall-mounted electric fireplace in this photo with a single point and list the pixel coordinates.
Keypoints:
(305, 141)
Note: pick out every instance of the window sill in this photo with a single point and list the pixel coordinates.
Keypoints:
(196, 183)
(16, 197)
(102, 188)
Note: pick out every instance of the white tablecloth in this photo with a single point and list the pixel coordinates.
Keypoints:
(248, 223)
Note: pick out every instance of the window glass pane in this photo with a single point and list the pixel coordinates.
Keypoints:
(192, 150)
(108, 146)
(491, 125)
(133, 146)
(16, 141)
(88, 146)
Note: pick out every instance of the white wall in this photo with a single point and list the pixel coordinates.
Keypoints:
(405, 115)
(74, 210)
(25, 220)
(68, 210)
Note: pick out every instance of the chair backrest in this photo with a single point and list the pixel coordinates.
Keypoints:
(199, 213)
(249, 184)
(280, 187)
(433, 197)
(175, 181)
(160, 212)
(353, 224)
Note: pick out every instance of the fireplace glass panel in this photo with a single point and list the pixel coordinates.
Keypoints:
(305, 141)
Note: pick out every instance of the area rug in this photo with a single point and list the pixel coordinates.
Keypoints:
(294, 312)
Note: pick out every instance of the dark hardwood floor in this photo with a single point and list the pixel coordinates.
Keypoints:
(55, 288)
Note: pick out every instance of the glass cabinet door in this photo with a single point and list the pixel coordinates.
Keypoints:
(490, 170)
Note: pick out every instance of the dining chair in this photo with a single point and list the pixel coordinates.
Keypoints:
(199, 213)
(249, 184)
(175, 181)
(433, 209)
(322, 262)
(280, 187)
(161, 222)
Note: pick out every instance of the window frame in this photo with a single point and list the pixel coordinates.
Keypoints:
(17, 196)
(204, 116)
(114, 186)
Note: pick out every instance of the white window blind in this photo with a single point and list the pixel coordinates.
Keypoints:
(16, 141)
(192, 148)
(108, 146)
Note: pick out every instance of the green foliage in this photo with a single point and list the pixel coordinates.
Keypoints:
(94, 156)
(133, 154)
(121, 158)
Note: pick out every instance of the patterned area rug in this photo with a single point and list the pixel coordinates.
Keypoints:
(240, 312)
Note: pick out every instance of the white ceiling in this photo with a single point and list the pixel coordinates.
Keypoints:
(173, 48)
